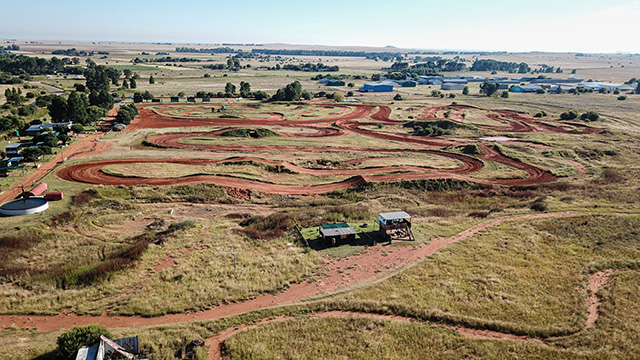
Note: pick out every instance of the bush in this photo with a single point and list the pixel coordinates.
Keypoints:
(569, 115)
(622, 97)
(398, 97)
(71, 341)
(540, 114)
(538, 206)
(590, 116)
(540, 91)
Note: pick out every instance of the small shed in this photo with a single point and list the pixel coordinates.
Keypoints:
(395, 225)
(206, 100)
(339, 232)
(191, 99)
(175, 99)
(155, 100)
(106, 348)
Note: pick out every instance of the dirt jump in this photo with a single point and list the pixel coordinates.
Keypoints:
(348, 119)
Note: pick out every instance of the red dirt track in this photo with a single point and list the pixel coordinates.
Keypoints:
(346, 121)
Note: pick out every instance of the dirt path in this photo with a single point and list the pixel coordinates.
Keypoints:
(372, 265)
(597, 281)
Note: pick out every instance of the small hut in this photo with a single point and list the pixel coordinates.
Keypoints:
(334, 233)
(395, 226)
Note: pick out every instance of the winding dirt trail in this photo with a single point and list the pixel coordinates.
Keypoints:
(372, 265)
(597, 281)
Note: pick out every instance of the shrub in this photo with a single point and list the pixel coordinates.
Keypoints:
(538, 205)
(569, 115)
(622, 97)
(398, 97)
(471, 149)
(71, 341)
(540, 114)
(590, 116)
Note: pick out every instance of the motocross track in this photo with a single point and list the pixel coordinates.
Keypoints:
(516, 121)
(345, 121)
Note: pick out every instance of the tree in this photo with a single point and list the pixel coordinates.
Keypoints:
(125, 84)
(132, 83)
(245, 89)
(398, 97)
(229, 89)
(505, 95)
(260, 95)
(293, 91)
(98, 78)
(72, 340)
(77, 128)
(127, 73)
(351, 85)
(307, 95)
(465, 91)
(338, 97)
(152, 80)
(58, 109)
(64, 139)
(489, 88)
(77, 109)
(14, 96)
(147, 95)
(31, 154)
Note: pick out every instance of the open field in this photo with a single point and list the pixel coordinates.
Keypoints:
(183, 226)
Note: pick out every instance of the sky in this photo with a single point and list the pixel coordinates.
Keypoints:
(496, 25)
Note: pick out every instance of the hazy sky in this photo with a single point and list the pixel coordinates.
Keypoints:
(512, 25)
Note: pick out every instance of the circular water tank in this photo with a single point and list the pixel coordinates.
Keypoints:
(23, 206)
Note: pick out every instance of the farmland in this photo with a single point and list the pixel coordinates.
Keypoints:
(185, 224)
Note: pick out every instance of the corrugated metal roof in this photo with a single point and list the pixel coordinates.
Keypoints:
(334, 226)
(337, 231)
(395, 215)
(14, 146)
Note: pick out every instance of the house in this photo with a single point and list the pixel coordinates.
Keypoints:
(33, 130)
(452, 86)
(335, 83)
(334, 233)
(376, 87)
(13, 149)
(108, 349)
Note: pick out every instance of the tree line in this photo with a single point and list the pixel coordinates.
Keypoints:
(494, 65)
(218, 50)
(20, 64)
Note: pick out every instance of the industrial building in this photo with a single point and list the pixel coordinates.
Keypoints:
(376, 87)
(452, 86)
